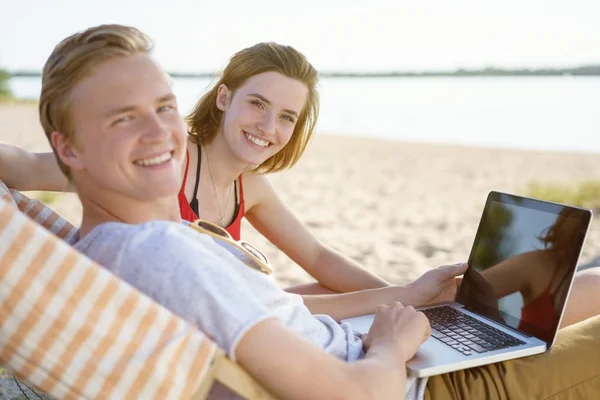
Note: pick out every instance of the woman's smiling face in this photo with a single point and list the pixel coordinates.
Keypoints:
(260, 116)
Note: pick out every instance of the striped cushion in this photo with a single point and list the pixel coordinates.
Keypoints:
(39, 212)
(74, 330)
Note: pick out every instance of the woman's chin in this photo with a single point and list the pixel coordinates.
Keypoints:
(251, 159)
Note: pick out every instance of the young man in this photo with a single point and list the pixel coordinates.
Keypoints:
(110, 114)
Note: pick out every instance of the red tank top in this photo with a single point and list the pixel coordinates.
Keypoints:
(188, 214)
(540, 313)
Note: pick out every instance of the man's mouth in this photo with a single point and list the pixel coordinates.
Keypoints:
(156, 160)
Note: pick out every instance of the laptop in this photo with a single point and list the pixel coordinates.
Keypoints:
(513, 294)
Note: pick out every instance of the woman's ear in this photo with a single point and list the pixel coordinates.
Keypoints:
(223, 97)
(65, 150)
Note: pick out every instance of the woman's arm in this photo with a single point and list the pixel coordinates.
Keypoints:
(274, 220)
(347, 305)
(438, 285)
(22, 170)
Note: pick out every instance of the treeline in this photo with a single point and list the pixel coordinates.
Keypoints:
(592, 70)
(4, 88)
(588, 70)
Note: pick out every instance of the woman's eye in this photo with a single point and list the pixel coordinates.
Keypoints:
(258, 104)
(289, 118)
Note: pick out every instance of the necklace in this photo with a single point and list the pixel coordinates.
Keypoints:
(221, 218)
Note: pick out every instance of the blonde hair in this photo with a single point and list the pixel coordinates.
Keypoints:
(205, 119)
(72, 60)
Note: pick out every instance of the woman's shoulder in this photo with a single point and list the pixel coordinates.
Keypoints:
(257, 189)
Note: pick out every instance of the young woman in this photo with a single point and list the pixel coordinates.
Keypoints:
(257, 118)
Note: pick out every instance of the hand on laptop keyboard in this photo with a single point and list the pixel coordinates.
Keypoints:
(404, 327)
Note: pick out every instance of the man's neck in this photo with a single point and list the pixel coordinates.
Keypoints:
(97, 211)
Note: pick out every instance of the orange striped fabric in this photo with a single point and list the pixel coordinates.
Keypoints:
(41, 214)
(74, 330)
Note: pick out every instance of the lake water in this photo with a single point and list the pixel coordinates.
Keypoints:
(547, 113)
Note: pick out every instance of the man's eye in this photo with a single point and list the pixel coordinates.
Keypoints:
(122, 119)
(166, 108)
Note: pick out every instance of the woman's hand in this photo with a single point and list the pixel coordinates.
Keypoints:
(438, 285)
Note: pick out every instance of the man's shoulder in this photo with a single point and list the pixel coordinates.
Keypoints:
(166, 230)
(165, 234)
(149, 236)
(117, 245)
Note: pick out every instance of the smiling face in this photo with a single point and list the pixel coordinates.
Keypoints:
(260, 116)
(129, 137)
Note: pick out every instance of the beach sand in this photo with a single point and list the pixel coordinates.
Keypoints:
(397, 208)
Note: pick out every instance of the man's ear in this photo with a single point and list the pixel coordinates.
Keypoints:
(65, 150)
(223, 97)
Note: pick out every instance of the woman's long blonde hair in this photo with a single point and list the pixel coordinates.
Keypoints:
(205, 119)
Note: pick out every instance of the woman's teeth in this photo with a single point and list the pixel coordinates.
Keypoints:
(154, 160)
(257, 141)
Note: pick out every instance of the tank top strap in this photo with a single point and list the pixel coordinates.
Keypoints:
(241, 189)
(194, 202)
(185, 174)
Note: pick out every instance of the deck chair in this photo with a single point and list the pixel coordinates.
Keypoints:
(74, 330)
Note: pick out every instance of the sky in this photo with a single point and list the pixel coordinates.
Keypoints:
(335, 35)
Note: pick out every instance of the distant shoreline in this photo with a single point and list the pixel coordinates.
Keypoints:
(592, 70)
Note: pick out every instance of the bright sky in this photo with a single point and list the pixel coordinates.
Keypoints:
(350, 35)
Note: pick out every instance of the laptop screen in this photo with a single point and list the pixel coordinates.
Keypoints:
(522, 262)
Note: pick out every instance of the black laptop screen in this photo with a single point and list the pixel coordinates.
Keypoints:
(522, 262)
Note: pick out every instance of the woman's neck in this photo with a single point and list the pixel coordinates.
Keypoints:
(223, 165)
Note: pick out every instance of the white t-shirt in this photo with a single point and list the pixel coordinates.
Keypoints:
(194, 277)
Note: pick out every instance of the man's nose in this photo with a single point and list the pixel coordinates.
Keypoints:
(155, 129)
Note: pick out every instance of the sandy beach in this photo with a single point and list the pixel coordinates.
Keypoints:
(397, 208)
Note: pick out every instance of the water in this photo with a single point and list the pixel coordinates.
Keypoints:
(546, 113)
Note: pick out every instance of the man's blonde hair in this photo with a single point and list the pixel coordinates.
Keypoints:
(205, 119)
(72, 60)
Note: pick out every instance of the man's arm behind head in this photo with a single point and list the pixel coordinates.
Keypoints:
(23, 170)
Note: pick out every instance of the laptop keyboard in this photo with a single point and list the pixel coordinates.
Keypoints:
(465, 333)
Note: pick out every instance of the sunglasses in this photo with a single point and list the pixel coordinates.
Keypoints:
(241, 249)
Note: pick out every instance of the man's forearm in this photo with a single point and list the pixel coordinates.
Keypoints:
(10, 156)
(380, 375)
(23, 170)
(310, 373)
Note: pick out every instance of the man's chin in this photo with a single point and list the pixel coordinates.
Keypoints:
(163, 196)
